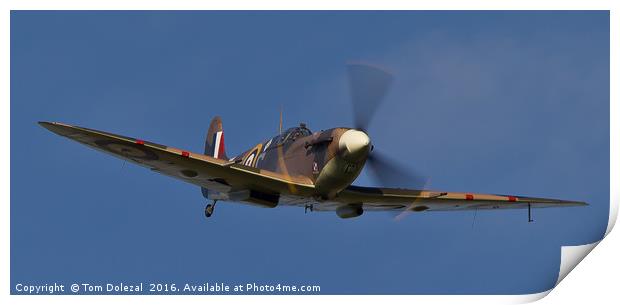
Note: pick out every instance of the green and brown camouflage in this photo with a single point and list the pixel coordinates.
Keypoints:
(294, 168)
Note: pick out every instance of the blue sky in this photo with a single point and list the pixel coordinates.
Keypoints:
(489, 102)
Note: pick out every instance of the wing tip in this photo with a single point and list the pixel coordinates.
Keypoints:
(47, 125)
(570, 203)
(56, 127)
(581, 203)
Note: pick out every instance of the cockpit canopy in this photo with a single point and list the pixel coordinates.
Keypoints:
(291, 134)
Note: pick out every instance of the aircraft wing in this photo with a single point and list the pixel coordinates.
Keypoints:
(229, 177)
(194, 168)
(384, 199)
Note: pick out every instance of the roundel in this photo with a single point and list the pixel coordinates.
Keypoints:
(250, 158)
(128, 150)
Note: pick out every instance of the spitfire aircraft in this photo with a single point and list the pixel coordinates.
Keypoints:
(298, 167)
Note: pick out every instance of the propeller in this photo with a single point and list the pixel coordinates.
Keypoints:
(390, 173)
(368, 85)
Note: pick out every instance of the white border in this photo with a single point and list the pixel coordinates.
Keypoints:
(310, 5)
(577, 288)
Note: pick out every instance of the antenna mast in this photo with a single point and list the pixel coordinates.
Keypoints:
(280, 120)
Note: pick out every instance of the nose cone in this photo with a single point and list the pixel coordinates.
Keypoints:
(354, 145)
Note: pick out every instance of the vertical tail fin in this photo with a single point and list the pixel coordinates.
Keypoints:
(214, 143)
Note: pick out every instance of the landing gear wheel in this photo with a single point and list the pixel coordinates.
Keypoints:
(210, 208)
